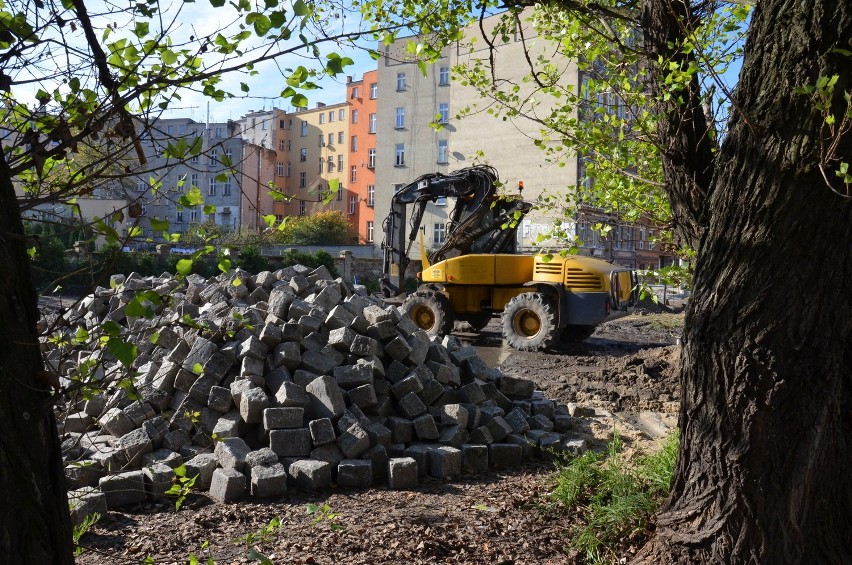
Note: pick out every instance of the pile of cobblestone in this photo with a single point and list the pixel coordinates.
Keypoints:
(254, 382)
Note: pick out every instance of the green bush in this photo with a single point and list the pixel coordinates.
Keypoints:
(252, 261)
(614, 497)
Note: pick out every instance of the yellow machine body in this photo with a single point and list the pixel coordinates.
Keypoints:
(487, 282)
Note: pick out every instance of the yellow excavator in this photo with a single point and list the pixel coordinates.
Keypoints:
(477, 275)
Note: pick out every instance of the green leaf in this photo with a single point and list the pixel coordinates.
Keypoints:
(299, 101)
(237, 281)
(197, 369)
(300, 8)
(184, 266)
(225, 265)
(269, 219)
(32, 252)
(155, 337)
(111, 328)
(125, 352)
(209, 209)
(217, 3)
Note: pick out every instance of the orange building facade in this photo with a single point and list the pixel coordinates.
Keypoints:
(361, 176)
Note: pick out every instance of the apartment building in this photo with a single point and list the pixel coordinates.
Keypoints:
(362, 97)
(166, 177)
(409, 140)
(419, 132)
(317, 172)
(264, 134)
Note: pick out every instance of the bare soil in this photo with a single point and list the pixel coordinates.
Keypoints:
(626, 372)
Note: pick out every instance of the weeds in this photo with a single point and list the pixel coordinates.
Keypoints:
(262, 535)
(80, 529)
(614, 497)
(182, 487)
(324, 514)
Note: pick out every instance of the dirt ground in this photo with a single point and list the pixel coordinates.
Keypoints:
(626, 373)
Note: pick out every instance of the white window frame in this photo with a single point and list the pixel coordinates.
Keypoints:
(371, 195)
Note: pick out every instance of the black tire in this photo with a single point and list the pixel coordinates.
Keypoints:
(430, 311)
(577, 333)
(529, 322)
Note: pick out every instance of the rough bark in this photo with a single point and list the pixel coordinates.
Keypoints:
(683, 134)
(766, 419)
(34, 521)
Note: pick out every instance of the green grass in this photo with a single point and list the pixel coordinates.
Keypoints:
(613, 497)
(666, 321)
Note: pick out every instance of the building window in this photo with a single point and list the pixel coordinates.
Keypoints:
(331, 163)
(439, 233)
(400, 81)
(214, 157)
(353, 204)
(322, 118)
(303, 154)
(339, 193)
(144, 211)
(282, 145)
(226, 187)
(400, 155)
(441, 201)
(331, 116)
(371, 195)
(141, 186)
(397, 187)
(342, 114)
(444, 111)
(279, 168)
(321, 161)
(339, 138)
(400, 118)
(194, 159)
(372, 126)
(444, 76)
(227, 161)
(304, 131)
(193, 214)
(374, 90)
(219, 132)
(289, 169)
(321, 140)
(353, 144)
(303, 180)
(340, 163)
(193, 180)
(301, 207)
(353, 175)
(442, 151)
(369, 232)
(179, 218)
(356, 92)
(355, 114)
(211, 190)
(331, 139)
(371, 158)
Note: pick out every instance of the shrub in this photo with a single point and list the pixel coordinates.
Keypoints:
(325, 228)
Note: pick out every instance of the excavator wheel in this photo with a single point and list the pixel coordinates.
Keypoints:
(430, 311)
(577, 333)
(529, 322)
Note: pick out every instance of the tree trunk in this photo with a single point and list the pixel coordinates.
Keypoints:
(34, 522)
(686, 141)
(765, 467)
